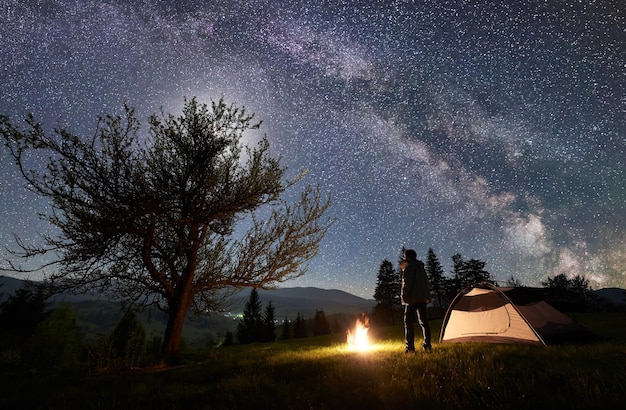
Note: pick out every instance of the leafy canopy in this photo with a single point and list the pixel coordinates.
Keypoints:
(153, 218)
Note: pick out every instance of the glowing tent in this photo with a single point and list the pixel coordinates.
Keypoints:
(491, 314)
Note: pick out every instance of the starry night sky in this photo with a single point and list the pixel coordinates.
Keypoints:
(493, 131)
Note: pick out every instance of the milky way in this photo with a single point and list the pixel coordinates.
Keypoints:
(496, 132)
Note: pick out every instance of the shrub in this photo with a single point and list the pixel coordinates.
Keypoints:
(56, 343)
(128, 342)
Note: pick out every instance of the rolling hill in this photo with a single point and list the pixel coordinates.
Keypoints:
(288, 302)
(98, 316)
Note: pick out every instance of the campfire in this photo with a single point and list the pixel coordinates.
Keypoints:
(357, 338)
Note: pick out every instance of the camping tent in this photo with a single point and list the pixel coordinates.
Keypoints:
(491, 314)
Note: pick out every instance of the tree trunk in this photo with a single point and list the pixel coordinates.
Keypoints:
(170, 351)
(178, 306)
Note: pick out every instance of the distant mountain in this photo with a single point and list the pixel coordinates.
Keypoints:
(288, 302)
(616, 295)
(9, 285)
(98, 316)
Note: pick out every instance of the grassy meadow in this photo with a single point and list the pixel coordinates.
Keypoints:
(323, 373)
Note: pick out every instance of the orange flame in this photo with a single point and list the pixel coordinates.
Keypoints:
(358, 340)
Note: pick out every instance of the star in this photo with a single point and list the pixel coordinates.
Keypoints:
(493, 131)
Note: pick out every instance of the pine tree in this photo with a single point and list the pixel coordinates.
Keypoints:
(320, 324)
(299, 327)
(229, 338)
(513, 282)
(251, 325)
(269, 325)
(459, 273)
(286, 331)
(475, 272)
(387, 293)
(467, 273)
(568, 294)
(436, 278)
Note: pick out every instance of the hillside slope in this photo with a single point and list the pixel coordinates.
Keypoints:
(98, 316)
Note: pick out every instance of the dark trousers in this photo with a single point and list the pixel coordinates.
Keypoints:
(411, 312)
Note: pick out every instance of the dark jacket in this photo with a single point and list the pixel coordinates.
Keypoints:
(415, 287)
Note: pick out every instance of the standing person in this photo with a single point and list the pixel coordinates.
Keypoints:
(415, 294)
